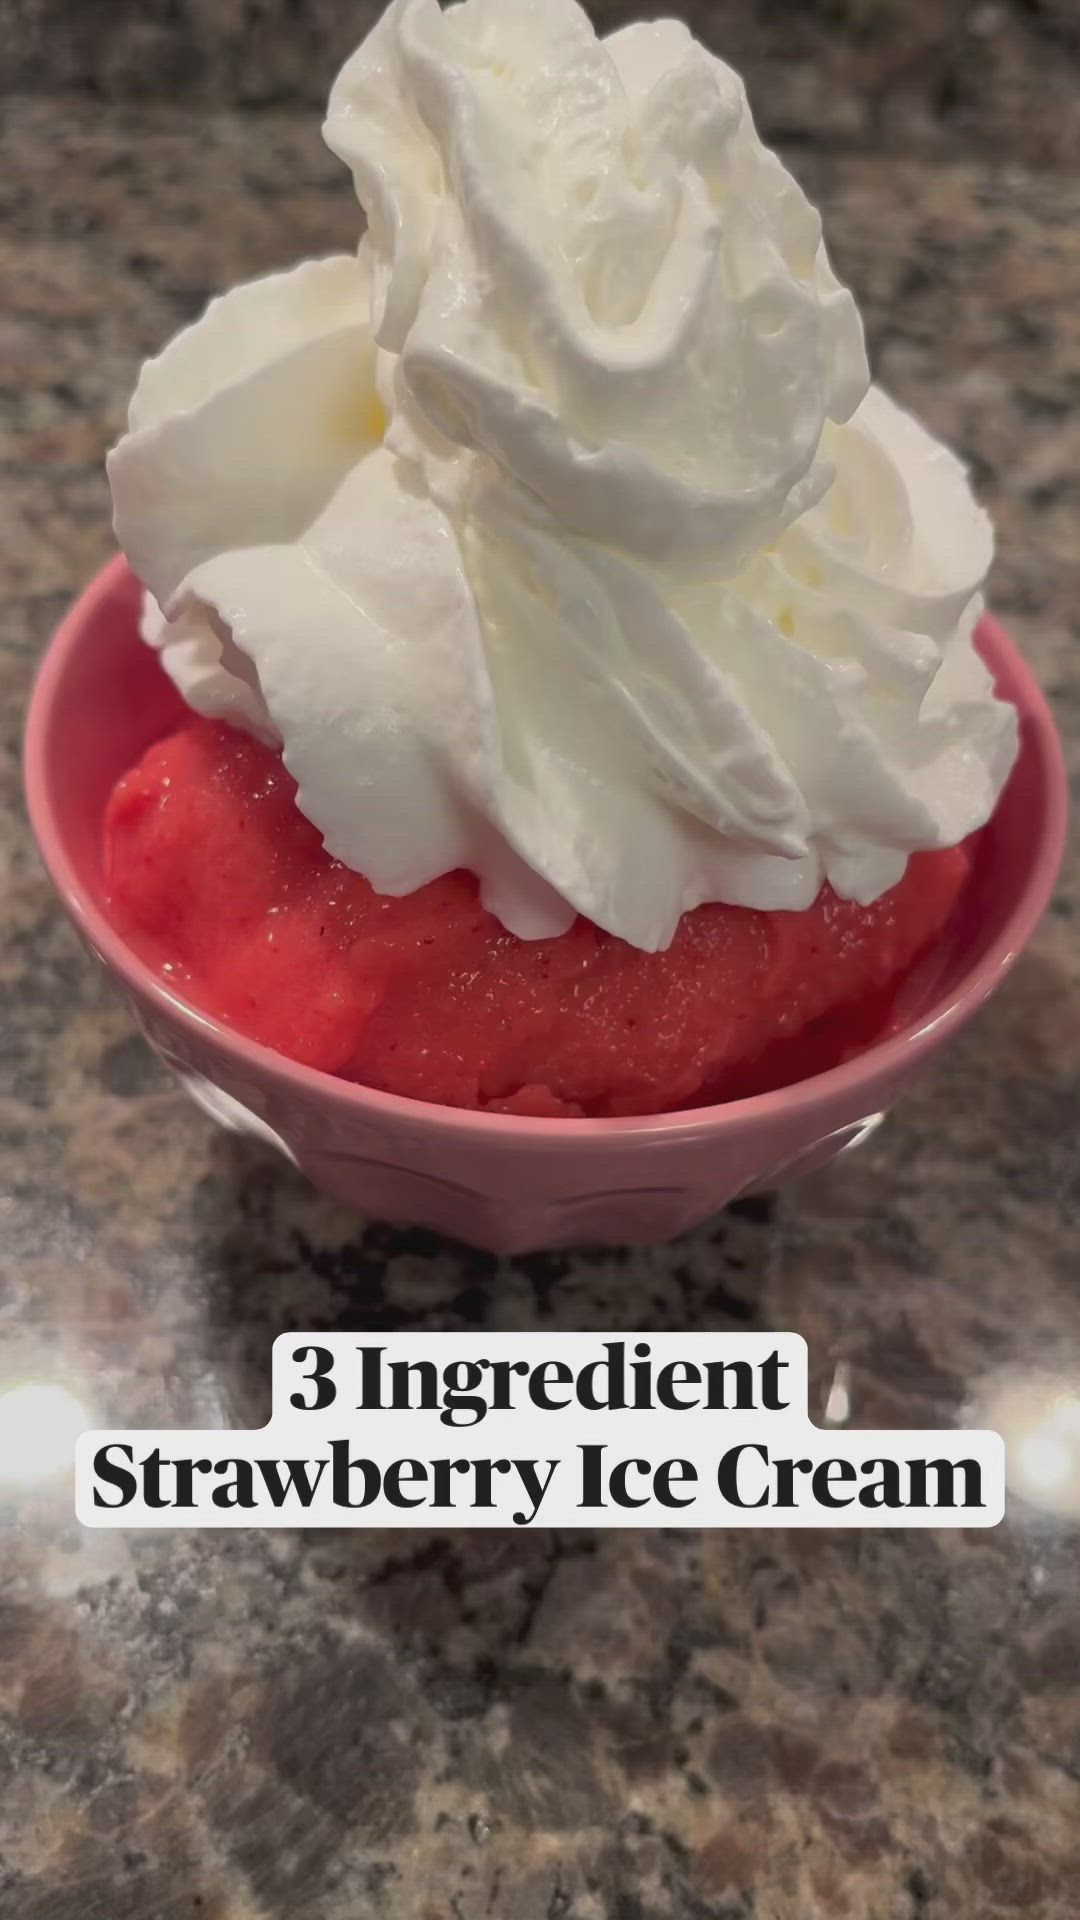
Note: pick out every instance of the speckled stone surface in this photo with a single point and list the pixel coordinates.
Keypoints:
(619, 1726)
(971, 74)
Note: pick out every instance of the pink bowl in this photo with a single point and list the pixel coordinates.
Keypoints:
(507, 1183)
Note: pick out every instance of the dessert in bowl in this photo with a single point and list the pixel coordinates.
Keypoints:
(562, 746)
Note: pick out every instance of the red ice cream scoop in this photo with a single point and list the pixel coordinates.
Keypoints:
(221, 883)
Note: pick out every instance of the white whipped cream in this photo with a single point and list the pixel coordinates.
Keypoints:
(559, 534)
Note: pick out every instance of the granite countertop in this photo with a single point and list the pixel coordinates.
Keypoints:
(612, 1726)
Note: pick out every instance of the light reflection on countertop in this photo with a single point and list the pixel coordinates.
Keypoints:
(1038, 1417)
(39, 1425)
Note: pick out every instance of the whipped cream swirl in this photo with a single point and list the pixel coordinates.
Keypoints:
(559, 534)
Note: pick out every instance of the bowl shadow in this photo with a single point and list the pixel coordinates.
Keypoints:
(278, 1255)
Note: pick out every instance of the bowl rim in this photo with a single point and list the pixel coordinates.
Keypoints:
(899, 1053)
